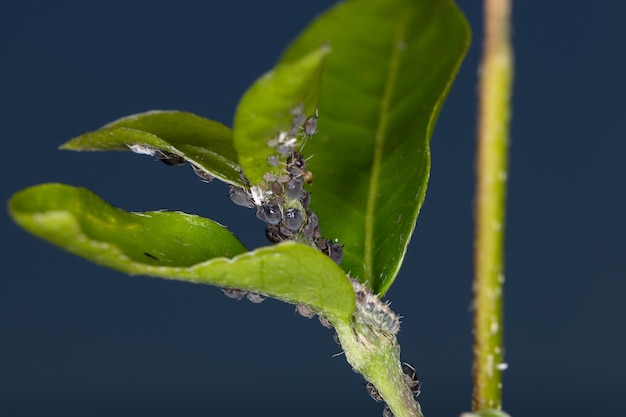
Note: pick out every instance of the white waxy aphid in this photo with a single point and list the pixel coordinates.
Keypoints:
(142, 149)
(258, 195)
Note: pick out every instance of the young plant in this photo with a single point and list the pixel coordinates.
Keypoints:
(358, 92)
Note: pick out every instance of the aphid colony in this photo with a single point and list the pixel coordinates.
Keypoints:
(280, 200)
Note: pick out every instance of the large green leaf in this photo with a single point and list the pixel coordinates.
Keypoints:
(206, 144)
(82, 223)
(391, 66)
(181, 246)
(286, 95)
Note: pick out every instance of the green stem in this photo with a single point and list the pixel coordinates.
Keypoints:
(491, 168)
(376, 356)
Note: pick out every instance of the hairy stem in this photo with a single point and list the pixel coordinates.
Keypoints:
(491, 169)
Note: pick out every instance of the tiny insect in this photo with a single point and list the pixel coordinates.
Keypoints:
(387, 411)
(234, 293)
(373, 392)
(305, 311)
(202, 174)
(410, 376)
(272, 213)
(169, 158)
(240, 197)
(293, 219)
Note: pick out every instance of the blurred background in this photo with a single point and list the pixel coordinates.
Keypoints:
(77, 339)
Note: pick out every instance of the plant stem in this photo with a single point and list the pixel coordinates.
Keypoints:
(491, 169)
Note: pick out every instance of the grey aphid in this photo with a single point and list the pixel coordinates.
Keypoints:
(324, 322)
(293, 189)
(254, 297)
(312, 218)
(373, 392)
(335, 252)
(169, 158)
(308, 231)
(234, 293)
(293, 219)
(310, 126)
(276, 188)
(273, 160)
(273, 234)
(305, 311)
(272, 213)
(204, 176)
(387, 411)
(305, 199)
(240, 197)
(410, 376)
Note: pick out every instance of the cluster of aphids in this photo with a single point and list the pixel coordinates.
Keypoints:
(280, 200)
(411, 380)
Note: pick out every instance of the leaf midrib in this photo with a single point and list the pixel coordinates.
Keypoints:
(379, 142)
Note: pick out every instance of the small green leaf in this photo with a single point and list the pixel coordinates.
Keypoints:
(391, 67)
(183, 247)
(206, 144)
(82, 223)
(269, 108)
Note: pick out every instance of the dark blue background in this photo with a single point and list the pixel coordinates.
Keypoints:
(77, 339)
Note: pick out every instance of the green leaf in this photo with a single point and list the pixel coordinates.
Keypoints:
(82, 223)
(181, 246)
(391, 67)
(206, 144)
(279, 102)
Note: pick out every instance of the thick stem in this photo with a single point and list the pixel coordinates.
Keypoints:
(491, 169)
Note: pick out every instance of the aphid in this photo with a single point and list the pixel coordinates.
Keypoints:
(273, 234)
(141, 149)
(305, 311)
(410, 376)
(273, 160)
(276, 188)
(255, 298)
(169, 158)
(296, 164)
(258, 195)
(269, 177)
(336, 338)
(293, 189)
(293, 219)
(387, 411)
(240, 197)
(234, 293)
(373, 392)
(312, 218)
(272, 213)
(335, 251)
(308, 231)
(324, 322)
(310, 125)
(305, 199)
(204, 176)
